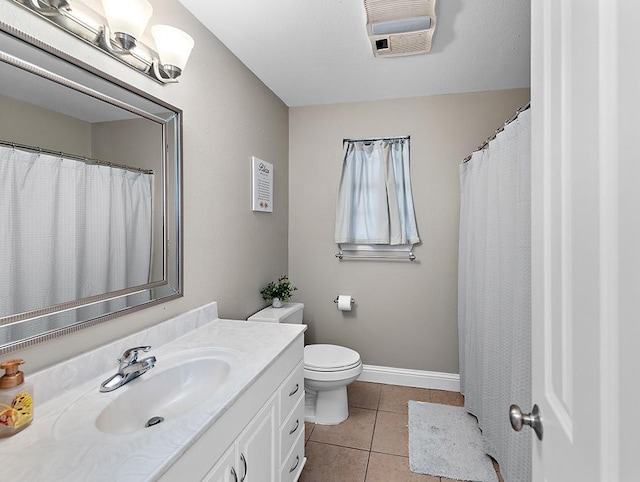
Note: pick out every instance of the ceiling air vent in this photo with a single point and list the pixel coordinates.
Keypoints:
(400, 27)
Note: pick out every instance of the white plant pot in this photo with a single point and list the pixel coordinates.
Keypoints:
(276, 303)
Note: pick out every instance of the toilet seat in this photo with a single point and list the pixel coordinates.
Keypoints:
(330, 358)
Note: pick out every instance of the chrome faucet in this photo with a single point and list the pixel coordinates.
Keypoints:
(129, 368)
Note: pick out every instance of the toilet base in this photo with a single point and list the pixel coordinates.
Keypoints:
(326, 407)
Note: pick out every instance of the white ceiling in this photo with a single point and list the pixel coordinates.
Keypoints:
(317, 51)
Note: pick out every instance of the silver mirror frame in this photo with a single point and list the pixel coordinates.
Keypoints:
(21, 330)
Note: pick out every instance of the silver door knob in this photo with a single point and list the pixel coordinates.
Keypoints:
(519, 419)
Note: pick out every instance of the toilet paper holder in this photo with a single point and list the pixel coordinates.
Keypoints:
(337, 297)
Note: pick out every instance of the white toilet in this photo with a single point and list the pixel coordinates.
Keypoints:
(328, 369)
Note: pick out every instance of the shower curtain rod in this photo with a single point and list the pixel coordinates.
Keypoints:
(498, 131)
(86, 160)
(372, 139)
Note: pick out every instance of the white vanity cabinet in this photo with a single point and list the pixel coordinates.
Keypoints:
(256, 448)
(271, 447)
(260, 438)
(252, 455)
(224, 471)
(291, 428)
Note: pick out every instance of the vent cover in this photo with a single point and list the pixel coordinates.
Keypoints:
(400, 27)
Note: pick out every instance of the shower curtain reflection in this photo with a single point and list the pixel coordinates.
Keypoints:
(71, 230)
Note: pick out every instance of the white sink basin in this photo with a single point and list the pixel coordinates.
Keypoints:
(178, 384)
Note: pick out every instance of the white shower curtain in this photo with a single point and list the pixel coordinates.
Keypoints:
(70, 230)
(494, 292)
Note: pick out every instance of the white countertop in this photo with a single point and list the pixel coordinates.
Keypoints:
(60, 447)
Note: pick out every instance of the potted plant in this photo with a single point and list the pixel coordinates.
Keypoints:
(278, 292)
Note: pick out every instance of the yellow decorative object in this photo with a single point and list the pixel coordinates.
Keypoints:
(7, 416)
(16, 399)
(22, 405)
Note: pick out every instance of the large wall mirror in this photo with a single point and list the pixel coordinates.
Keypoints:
(90, 195)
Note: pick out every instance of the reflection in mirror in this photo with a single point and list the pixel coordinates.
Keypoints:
(89, 197)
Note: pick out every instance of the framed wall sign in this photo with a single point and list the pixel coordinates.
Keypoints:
(262, 195)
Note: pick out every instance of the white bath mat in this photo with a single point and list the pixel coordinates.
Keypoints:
(445, 441)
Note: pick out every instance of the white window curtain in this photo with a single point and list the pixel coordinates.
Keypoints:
(494, 292)
(375, 203)
(70, 230)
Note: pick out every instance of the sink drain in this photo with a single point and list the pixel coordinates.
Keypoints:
(154, 421)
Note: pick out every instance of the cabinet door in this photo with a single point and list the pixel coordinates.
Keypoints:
(224, 470)
(256, 447)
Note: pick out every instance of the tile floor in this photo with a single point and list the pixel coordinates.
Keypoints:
(372, 445)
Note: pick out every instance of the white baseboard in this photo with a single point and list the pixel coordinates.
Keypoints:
(410, 378)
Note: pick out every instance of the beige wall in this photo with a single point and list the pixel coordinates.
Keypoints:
(133, 142)
(406, 312)
(229, 115)
(28, 124)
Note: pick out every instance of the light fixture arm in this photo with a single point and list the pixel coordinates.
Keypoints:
(165, 79)
(104, 40)
(51, 7)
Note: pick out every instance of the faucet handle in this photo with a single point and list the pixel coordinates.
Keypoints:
(130, 355)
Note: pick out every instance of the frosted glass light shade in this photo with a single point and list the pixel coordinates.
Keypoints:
(173, 45)
(128, 16)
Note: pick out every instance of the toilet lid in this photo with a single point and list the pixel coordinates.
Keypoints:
(327, 358)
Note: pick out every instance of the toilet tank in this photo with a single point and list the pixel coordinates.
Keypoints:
(289, 313)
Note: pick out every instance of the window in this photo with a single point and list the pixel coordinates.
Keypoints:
(375, 203)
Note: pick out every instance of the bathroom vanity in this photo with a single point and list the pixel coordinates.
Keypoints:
(260, 437)
(231, 395)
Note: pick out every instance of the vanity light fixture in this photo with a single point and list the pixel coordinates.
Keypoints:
(174, 47)
(127, 20)
(120, 32)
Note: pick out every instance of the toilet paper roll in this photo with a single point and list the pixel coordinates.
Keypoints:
(344, 303)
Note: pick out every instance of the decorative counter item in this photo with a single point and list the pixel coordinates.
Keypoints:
(278, 292)
(16, 399)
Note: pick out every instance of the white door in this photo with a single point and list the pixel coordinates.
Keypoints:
(586, 238)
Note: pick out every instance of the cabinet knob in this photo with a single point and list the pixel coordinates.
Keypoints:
(295, 428)
(233, 472)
